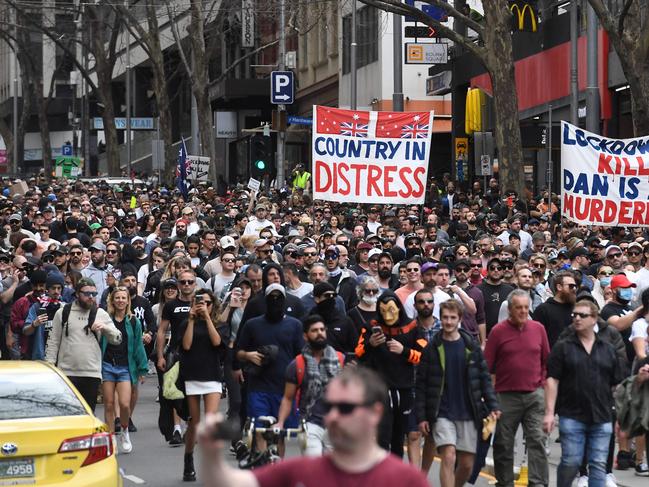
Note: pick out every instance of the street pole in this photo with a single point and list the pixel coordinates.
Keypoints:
(592, 90)
(128, 100)
(279, 177)
(574, 59)
(352, 60)
(550, 169)
(397, 96)
(14, 161)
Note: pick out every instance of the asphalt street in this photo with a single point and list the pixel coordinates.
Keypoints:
(153, 462)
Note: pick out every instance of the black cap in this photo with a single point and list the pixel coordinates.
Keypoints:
(322, 287)
(578, 251)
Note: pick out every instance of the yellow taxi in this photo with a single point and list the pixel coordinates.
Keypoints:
(48, 434)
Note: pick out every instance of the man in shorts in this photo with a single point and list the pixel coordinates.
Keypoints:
(451, 384)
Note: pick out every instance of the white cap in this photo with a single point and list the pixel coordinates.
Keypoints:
(374, 252)
(275, 287)
(227, 242)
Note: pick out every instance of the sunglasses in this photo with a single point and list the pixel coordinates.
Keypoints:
(310, 254)
(76, 253)
(187, 282)
(508, 266)
(413, 270)
(461, 269)
(331, 257)
(635, 253)
(539, 266)
(111, 251)
(495, 268)
(605, 274)
(370, 291)
(425, 301)
(89, 294)
(344, 408)
(580, 315)
(48, 259)
(617, 255)
(228, 260)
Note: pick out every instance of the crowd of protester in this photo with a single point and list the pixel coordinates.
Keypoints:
(481, 310)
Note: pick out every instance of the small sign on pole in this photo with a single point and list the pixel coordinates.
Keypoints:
(485, 165)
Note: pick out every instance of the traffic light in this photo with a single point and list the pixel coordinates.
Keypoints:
(261, 156)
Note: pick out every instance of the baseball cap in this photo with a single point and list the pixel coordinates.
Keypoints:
(333, 250)
(428, 266)
(171, 282)
(95, 226)
(227, 242)
(15, 217)
(364, 246)
(594, 242)
(374, 252)
(260, 242)
(136, 238)
(260, 207)
(98, 246)
(636, 245)
(579, 251)
(612, 247)
(620, 280)
(275, 287)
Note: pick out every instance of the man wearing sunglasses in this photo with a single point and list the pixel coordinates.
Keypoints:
(582, 370)
(495, 291)
(341, 279)
(97, 270)
(352, 410)
(556, 313)
(73, 345)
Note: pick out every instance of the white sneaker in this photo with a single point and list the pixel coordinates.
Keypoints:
(582, 481)
(611, 481)
(125, 441)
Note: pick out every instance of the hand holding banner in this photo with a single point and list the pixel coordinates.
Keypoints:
(370, 157)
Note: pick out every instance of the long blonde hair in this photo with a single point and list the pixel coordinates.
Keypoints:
(111, 303)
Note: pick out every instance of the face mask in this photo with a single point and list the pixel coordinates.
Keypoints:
(625, 294)
(370, 299)
(318, 344)
(327, 306)
(410, 253)
(605, 281)
(275, 307)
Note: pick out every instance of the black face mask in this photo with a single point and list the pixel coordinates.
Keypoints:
(318, 344)
(385, 273)
(275, 307)
(412, 252)
(327, 306)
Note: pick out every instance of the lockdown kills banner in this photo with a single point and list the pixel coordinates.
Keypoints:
(370, 157)
(604, 181)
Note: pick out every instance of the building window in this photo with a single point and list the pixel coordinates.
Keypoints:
(367, 38)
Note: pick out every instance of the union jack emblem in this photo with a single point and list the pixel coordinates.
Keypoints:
(414, 131)
(354, 129)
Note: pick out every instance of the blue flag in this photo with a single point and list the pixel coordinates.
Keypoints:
(181, 170)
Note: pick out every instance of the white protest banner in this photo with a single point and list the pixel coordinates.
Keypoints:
(198, 168)
(370, 157)
(604, 181)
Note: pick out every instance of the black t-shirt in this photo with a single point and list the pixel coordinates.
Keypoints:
(176, 312)
(454, 404)
(617, 309)
(118, 354)
(494, 295)
(201, 362)
(555, 317)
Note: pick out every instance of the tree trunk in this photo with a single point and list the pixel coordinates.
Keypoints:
(500, 64)
(7, 135)
(44, 127)
(105, 93)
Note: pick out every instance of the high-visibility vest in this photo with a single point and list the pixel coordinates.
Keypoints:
(301, 180)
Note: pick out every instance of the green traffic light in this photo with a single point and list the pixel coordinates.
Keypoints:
(261, 165)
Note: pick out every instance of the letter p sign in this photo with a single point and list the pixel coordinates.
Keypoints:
(281, 87)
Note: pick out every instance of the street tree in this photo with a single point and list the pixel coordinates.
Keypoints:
(628, 30)
(493, 48)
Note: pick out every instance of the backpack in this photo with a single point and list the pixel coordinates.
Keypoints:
(300, 370)
(66, 316)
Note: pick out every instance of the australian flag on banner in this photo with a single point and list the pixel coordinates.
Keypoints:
(181, 170)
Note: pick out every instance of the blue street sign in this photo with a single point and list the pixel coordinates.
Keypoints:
(281, 87)
(430, 10)
(66, 150)
(294, 120)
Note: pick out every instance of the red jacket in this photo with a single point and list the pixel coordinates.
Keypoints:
(18, 315)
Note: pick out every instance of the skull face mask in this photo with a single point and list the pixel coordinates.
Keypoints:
(389, 312)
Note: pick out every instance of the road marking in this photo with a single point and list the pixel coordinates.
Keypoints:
(132, 478)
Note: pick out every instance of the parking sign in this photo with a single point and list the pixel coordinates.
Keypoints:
(281, 87)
